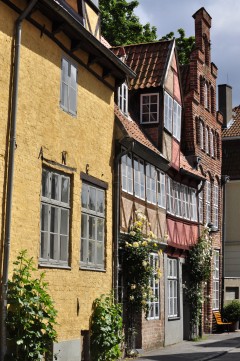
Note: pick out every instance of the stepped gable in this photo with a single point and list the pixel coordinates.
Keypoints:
(234, 129)
(134, 130)
(184, 74)
(148, 61)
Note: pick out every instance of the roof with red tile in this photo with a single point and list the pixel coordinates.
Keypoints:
(234, 128)
(186, 166)
(148, 61)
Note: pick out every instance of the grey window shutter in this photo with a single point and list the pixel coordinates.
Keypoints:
(64, 85)
(73, 90)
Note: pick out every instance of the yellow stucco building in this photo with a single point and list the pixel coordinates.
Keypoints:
(60, 175)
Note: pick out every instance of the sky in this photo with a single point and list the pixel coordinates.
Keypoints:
(170, 15)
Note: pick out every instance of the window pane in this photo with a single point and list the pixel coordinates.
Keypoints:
(92, 199)
(92, 227)
(55, 186)
(53, 246)
(100, 229)
(100, 201)
(45, 183)
(145, 99)
(84, 226)
(44, 217)
(84, 196)
(64, 222)
(63, 248)
(91, 251)
(54, 220)
(65, 190)
(99, 253)
(44, 245)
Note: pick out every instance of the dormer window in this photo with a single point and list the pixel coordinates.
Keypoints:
(123, 98)
(172, 116)
(168, 111)
(149, 108)
(177, 114)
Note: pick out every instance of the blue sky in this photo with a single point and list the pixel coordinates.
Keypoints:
(170, 15)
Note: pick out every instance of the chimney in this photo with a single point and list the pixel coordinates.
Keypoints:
(225, 103)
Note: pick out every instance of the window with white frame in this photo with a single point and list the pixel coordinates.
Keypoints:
(92, 227)
(215, 205)
(168, 111)
(207, 140)
(173, 302)
(123, 98)
(154, 284)
(178, 202)
(127, 173)
(185, 202)
(151, 183)
(215, 304)
(200, 206)
(149, 108)
(193, 204)
(208, 202)
(177, 114)
(161, 191)
(68, 100)
(212, 152)
(139, 178)
(201, 130)
(55, 209)
(170, 195)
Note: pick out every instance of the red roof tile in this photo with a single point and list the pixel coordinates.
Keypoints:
(148, 61)
(185, 165)
(234, 128)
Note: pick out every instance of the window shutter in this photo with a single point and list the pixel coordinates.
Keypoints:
(73, 90)
(64, 85)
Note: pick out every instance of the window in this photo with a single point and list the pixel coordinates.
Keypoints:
(55, 208)
(170, 196)
(92, 227)
(149, 108)
(206, 95)
(215, 280)
(127, 174)
(207, 140)
(212, 144)
(139, 178)
(168, 111)
(69, 87)
(215, 205)
(177, 120)
(151, 183)
(200, 206)
(154, 284)
(123, 98)
(161, 189)
(193, 205)
(208, 202)
(172, 288)
(178, 202)
(201, 128)
(185, 202)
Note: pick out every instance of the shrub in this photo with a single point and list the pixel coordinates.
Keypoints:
(232, 311)
(31, 316)
(106, 329)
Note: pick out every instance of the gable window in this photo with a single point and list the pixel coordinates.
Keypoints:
(207, 140)
(215, 205)
(92, 227)
(208, 202)
(215, 305)
(177, 113)
(127, 174)
(55, 209)
(139, 178)
(149, 108)
(68, 100)
(151, 183)
(161, 189)
(168, 111)
(154, 284)
(123, 98)
(173, 301)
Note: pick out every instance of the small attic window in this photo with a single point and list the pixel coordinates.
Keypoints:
(149, 112)
(123, 98)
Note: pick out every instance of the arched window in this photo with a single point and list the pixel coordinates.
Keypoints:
(206, 95)
(201, 134)
(217, 146)
(207, 140)
(212, 150)
(212, 101)
(202, 82)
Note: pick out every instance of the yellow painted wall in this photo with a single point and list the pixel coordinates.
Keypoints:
(87, 139)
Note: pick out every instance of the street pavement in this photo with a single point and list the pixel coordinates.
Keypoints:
(223, 347)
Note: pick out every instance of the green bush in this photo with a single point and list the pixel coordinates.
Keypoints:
(231, 311)
(31, 316)
(106, 329)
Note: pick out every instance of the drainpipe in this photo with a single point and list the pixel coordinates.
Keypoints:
(116, 223)
(12, 147)
(225, 179)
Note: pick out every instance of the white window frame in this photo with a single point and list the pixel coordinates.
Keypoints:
(173, 288)
(151, 183)
(94, 211)
(207, 140)
(200, 206)
(215, 204)
(216, 280)
(170, 196)
(168, 112)
(161, 189)
(139, 178)
(154, 305)
(193, 204)
(208, 193)
(55, 213)
(177, 115)
(127, 173)
(149, 104)
(178, 202)
(68, 93)
(185, 202)
(123, 98)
